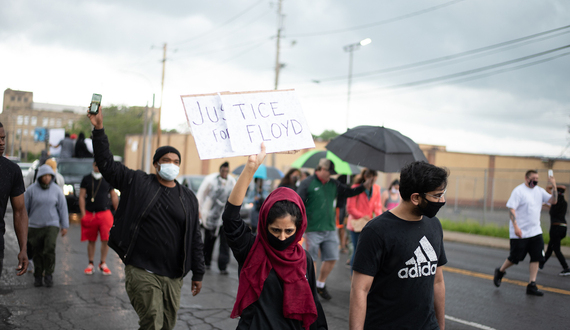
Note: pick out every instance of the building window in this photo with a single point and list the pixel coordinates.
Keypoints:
(58, 122)
(34, 120)
(13, 98)
(70, 124)
(45, 121)
(25, 132)
(25, 99)
(19, 132)
(51, 122)
(26, 120)
(20, 120)
(19, 98)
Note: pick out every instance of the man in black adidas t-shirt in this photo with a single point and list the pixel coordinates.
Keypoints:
(397, 280)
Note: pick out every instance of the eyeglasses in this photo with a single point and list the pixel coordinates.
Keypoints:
(437, 196)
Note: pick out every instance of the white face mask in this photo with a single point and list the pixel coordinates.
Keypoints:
(393, 190)
(96, 175)
(168, 172)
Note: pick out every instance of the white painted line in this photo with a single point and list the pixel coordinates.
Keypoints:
(473, 324)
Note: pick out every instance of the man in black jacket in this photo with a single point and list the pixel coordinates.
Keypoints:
(156, 231)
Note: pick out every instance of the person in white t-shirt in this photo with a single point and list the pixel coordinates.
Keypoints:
(525, 232)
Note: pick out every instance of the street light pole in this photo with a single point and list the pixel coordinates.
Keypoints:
(350, 49)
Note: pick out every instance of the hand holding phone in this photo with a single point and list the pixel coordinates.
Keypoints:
(95, 103)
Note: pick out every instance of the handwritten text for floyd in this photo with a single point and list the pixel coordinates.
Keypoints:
(235, 124)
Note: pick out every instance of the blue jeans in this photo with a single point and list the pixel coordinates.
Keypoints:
(354, 238)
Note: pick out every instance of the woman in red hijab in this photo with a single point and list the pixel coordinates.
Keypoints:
(277, 277)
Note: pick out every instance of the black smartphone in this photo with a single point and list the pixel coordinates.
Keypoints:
(95, 103)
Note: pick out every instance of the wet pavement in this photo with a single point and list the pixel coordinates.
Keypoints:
(78, 301)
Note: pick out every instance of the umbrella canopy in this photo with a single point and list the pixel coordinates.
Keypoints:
(311, 160)
(377, 148)
(263, 172)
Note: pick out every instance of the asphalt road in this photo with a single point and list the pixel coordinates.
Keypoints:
(78, 301)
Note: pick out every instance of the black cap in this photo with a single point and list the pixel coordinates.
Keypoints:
(163, 151)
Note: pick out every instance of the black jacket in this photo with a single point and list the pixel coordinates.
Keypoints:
(267, 311)
(139, 193)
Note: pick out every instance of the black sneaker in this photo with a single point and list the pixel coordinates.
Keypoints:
(38, 281)
(48, 279)
(324, 293)
(565, 272)
(532, 290)
(498, 277)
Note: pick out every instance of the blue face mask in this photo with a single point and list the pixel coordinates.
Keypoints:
(168, 172)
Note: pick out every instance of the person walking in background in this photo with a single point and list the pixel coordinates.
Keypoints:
(47, 211)
(277, 279)
(156, 231)
(81, 150)
(397, 280)
(96, 197)
(525, 232)
(212, 197)
(557, 230)
(318, 192)
(363, 207)
(341, 216)
(67, 147)
(12, 187)
(391, 197)
(257, 197)
(291, 178)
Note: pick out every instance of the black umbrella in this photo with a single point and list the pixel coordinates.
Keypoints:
(377, 148)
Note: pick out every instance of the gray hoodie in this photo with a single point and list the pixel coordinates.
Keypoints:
(46, 207)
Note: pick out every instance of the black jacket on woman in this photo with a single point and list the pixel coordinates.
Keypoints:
(267, 311)
(139, 193)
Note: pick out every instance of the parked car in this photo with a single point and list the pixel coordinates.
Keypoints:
(192, 182)
(25, 167)
(73, 170)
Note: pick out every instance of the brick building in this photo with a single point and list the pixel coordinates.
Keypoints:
(21, 116)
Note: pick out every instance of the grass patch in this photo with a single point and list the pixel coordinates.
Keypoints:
(473, 227)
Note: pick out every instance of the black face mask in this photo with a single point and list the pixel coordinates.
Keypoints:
(532, 183)
(431, 209)
(278, 244)
(44, 186)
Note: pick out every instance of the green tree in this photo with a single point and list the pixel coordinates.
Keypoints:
(327, 135)
(118, 122)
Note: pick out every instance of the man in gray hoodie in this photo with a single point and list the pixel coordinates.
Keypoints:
(47, 213)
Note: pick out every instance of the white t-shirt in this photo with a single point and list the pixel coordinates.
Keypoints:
(527, 203)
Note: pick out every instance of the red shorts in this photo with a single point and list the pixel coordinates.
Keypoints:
(92, 223)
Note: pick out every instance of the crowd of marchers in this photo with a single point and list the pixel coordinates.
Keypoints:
(162, 231)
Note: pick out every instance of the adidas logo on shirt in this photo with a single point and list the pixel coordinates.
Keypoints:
(422, 264)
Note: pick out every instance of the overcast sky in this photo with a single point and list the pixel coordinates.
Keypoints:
(442, 72)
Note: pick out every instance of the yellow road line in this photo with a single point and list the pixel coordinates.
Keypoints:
(505, 280)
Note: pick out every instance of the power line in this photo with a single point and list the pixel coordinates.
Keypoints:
(383, 22)
(221, 25)
(225, 49)
(419, 83)
(453, 56)
(229, 34)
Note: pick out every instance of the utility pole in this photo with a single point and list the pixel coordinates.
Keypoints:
(161, 94)
(279, 28)
(277, 64)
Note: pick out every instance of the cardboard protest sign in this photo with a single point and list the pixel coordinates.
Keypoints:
(234, 124)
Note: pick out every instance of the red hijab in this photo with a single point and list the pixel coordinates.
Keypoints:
(290, 265)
